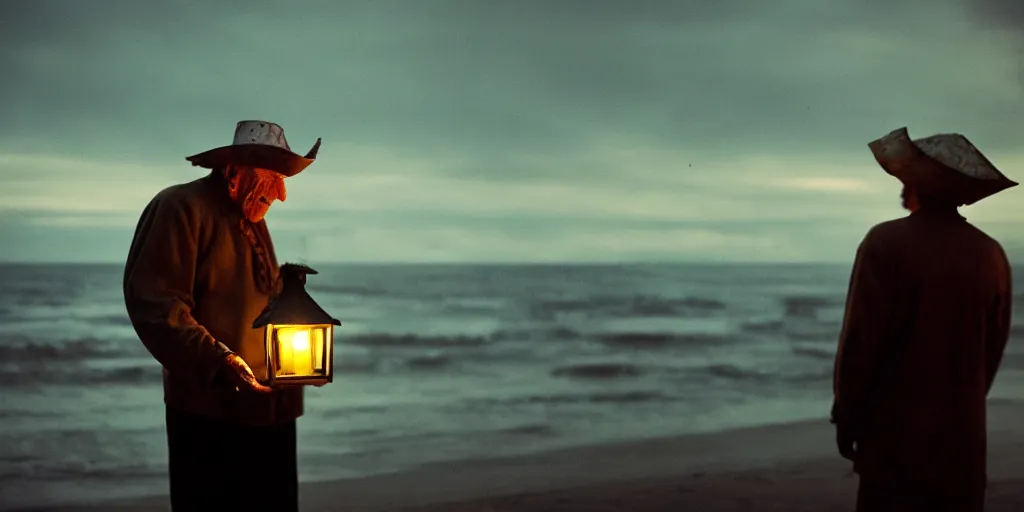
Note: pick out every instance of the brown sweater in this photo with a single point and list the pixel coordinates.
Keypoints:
(927, 320)
(190, 288)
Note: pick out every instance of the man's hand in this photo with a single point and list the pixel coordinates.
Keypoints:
(240, 375)
(846, 442)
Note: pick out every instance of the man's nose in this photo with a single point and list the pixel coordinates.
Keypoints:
(282, 192)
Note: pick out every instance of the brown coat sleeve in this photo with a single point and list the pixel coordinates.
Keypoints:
(866, 329)
(998, 332)
(158, 284)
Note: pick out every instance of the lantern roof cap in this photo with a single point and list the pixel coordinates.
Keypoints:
(293, 305)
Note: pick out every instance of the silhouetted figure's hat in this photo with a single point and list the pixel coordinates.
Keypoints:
(257, 144)
(946, 166)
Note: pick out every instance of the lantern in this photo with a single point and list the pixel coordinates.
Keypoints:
(299, 334)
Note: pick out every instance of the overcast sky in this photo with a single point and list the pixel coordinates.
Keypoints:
(540, 130)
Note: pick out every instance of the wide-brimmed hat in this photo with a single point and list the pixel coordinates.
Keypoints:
(947, 166)
(257, 144)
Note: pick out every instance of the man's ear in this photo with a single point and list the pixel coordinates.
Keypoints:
(231, 175)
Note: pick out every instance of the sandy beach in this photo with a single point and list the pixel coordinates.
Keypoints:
(787, 467)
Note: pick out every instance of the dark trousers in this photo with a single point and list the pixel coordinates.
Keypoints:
(223, 467)
(873, 497)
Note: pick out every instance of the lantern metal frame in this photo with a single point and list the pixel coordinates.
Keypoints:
(273, 348)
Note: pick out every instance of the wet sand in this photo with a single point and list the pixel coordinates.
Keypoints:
(789, 467)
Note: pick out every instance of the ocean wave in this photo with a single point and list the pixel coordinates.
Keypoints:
(59, 374)
(76, 469)
(535, 334)
(598, 371)
(608, 397)
(814, 352)
(414, 341)
(19, 348)
(737, 373)
(534, 429)
(460, 305)
(148, 372)
(385, 363)
(119, 320)
(44, 296)
(619, 370)
(660, 340)
(801, 328)
(456, 341)
(429, 361)
(348, 412)
(817, 333)
(63, 315)
(56, 450)
(601, 397)
(626, 306)
(352, 365)
(807, 306)
(763, 326)
(30, 413)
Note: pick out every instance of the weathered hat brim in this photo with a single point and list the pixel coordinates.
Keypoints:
(897, 154)
(272, 158)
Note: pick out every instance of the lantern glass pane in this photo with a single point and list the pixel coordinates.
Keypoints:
(318, 349)
(299, 351)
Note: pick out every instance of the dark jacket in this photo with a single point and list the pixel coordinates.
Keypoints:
(191, 292)
(927, 320)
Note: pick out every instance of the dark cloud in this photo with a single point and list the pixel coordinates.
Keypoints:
(632, 96)
(488, 79)
(1001, 13)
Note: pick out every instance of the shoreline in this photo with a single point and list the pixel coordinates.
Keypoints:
(788, 464)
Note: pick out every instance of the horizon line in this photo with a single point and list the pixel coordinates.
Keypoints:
(478, 263)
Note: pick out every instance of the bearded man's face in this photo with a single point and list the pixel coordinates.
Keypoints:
(254, 190)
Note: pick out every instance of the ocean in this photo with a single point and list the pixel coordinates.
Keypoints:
(436, 363)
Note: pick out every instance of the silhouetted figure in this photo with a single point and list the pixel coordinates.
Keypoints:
(927, 319)
(201, 268)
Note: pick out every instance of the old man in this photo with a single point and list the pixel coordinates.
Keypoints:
(201, 267)
(927, 320)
